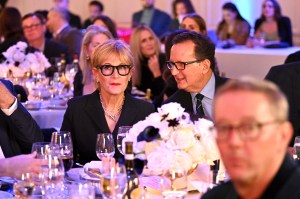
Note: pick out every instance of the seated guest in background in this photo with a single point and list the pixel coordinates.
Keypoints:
(192, 62)
(252, 138)
(194, 22)
(109, 107)
(107, 23)
(62, 32)
(10, 28)
(74, 20)
(34, 28)
(233, 29)
(179, 9)
(16, 166)
(96, 9)
(286, 77)
(149, 61)
(84, 83)
(18, 130)
(272, 27)
(156, 19)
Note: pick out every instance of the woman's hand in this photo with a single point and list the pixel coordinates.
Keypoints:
(153, 65)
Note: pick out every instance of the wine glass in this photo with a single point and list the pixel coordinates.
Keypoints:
(71, 70)
(174, 182)
(24, 188)
(44, 148)
(105, 146)
(296, 155)
(122, 132)
(64, 141)
(113, 182)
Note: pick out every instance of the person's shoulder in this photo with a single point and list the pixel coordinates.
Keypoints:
(80, 101)
(161, 13)
(285, 19)
(286, 67)
(225, 190)
(176, 97)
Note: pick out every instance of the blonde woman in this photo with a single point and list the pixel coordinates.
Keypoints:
(94, 35)
(107, 108)
(149, 60)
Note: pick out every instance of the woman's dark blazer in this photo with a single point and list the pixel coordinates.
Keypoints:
(85, 118)
(284, 29)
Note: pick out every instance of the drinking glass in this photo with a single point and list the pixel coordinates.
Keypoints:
(64, 141)
(174, 182)
(297, 148)
(122, 132)
(71, 70)
(81, 190)
(113, 182)
(24, 188)
(44, 148)
(105, 146)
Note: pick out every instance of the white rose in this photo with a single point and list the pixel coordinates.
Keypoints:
(182, 138)
(182, 160)
(198, 153)
(171, 110)
(151, 146)
(160, 159)
(3, 70)
(19, 57)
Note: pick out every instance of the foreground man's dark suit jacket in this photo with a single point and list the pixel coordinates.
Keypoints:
(17, 131)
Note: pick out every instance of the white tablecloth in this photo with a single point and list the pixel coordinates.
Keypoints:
(48, 118)
(256, 62)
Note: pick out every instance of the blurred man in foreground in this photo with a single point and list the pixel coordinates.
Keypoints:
(252, 133)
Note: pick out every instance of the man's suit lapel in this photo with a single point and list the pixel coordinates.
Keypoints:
(95, 112)
(185, 99)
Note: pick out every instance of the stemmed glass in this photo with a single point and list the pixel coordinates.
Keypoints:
(64, 141)
(122, 132)
(105, 146)
(44, 148)
(70, 73)
(113, 181)
(297, 148)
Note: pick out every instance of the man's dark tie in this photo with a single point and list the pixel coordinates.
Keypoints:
(199, 107)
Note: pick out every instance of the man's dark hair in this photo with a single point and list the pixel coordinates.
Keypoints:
(98, 4)
(37, 15)
(204, 47)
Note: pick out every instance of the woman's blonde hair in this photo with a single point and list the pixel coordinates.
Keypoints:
(85, 65)
(137, 53)
(112, 48)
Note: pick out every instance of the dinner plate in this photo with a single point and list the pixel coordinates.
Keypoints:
(56, 107)
(87, 171)
(4, 194)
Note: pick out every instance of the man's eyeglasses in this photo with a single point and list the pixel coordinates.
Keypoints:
(32, 26)
(180, 65)
(108, 69)
(246, 131)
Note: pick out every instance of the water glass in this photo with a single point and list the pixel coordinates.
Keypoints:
(113, 183)
(64, 141)
(25, 187)
(122, 132)
(81, 191)
(297, 148)
(174, 182)
(105, 146)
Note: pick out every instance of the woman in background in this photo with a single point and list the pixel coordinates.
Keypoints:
(180, 8)
(10, 29)
(107, 23)
(272, 27)
(83, 81)
(194, 22)
(233, 29)
(149, 60)
(107, 108)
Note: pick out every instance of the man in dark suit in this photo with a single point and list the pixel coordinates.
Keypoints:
(192, 62)
(34, 28)
(62, 31)
(18, 130)
(252, 134)
(286, 77)
(74, 20)
(157, 20)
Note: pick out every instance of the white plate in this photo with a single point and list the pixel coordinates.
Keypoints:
(92, 165)
(4, 194)
(57, 107)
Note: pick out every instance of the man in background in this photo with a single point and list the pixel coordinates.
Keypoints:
(74, 20)
(252, 134)
(192, 62)
(96, 9)
(156, 19)
(58, 25)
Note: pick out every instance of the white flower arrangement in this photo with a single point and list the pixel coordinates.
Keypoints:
(170, 135)
(21, 58)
